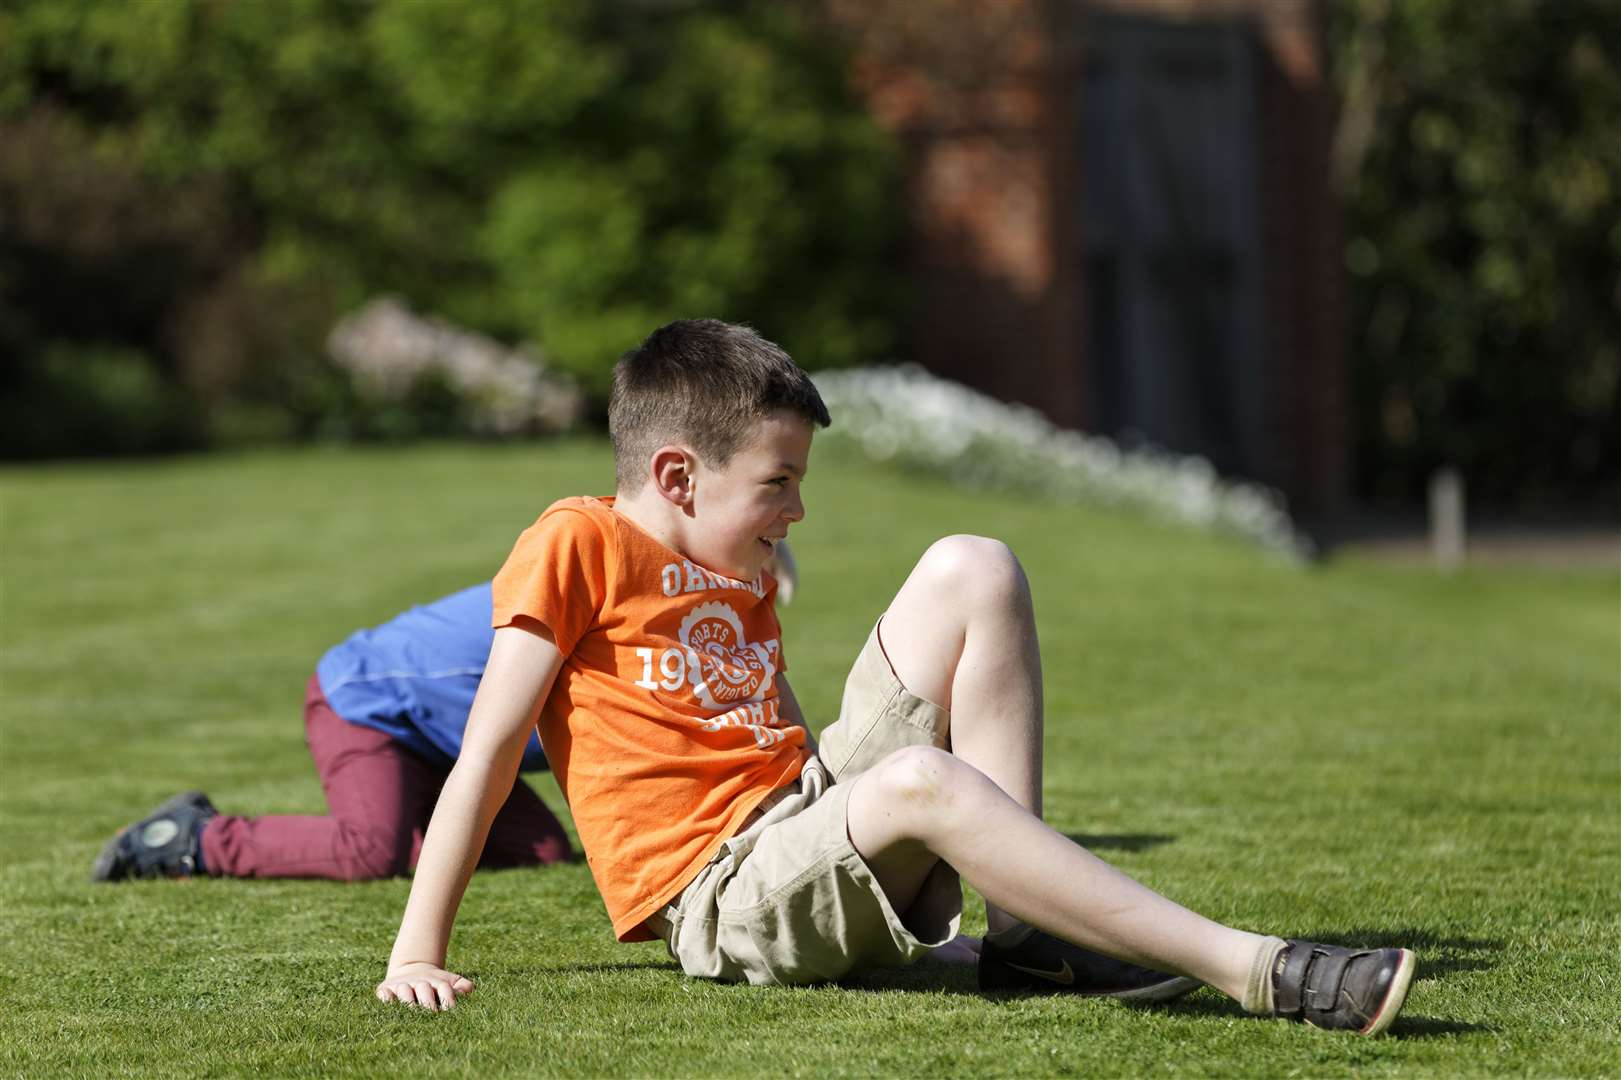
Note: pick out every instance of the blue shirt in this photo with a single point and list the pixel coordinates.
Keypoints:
(414, 677)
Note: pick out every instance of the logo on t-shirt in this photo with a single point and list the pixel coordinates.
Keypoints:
(727, 667)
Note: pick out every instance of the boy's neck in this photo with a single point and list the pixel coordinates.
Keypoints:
(654, 515)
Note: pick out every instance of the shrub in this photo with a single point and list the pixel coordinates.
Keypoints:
(554, 171)
(905, 415)
(1480, 150)
(452, 380)
(92, 400)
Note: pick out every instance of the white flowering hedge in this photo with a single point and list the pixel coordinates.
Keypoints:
(906, 415)
(389, 350)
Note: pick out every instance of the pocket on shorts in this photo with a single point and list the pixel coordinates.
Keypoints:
(693, 926)
(878, 716)
(805, 908)
(781, 938)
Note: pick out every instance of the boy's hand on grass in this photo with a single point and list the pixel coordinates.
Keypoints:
(423, 984)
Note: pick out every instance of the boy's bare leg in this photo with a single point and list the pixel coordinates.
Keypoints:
(961, 633)
(920, 805)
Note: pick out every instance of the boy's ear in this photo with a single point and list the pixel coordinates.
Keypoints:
(672, 469)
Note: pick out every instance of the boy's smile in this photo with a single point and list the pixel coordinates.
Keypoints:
(740, 511)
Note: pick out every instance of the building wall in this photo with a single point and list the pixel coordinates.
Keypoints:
(985, 98)
(1310, 423)
(967, 87)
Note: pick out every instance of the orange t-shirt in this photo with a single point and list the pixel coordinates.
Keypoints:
(663, 727)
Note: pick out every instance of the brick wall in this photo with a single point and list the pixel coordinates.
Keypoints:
(984, 98)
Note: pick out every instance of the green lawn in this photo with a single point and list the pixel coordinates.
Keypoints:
(1354, 753)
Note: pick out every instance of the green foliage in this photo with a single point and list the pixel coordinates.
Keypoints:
(554, 170)
(92, 400)
(1485, 242)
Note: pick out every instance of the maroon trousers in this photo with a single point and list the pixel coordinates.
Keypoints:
(379, 796)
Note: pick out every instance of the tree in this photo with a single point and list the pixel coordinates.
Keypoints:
(1480, 157)
(564, 172)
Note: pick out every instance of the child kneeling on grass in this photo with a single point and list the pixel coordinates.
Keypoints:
(639, 631)
(384, 715)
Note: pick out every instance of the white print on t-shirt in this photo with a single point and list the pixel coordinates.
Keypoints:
(728, 668)
(688, 577)
(760, 717)
(723, 668)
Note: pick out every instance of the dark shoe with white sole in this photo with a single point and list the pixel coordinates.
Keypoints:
(1326, 986)
(1042, 963)
(165, 843)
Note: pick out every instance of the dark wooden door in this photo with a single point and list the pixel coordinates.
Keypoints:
(1170, 237)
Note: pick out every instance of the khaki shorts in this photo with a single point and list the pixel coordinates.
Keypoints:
(788, 899)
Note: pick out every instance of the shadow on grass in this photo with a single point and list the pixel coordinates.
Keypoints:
(609, 969)
(1209, 1003)
(947, 979)
(1439, 955)
(1120, 841)
(925, 976)
(1428, 1027)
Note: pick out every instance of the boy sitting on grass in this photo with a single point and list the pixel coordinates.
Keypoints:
(639, 630)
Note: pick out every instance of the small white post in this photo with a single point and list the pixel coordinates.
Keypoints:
(1448, 535)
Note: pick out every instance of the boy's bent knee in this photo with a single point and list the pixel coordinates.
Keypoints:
(923, 794)
(918, 778)
(976, 566)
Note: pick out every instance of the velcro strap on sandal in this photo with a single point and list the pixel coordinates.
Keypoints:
(1327, 976)
(1289, 979)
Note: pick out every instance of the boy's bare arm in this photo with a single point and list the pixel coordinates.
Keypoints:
(792, 712)
(522, 665)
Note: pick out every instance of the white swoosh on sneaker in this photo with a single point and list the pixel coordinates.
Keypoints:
(1063, 976)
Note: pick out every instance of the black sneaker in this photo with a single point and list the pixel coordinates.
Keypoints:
(1358, 990)
(165, 843)
(1042, 963)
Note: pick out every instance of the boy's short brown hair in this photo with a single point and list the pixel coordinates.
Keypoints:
(704, 383)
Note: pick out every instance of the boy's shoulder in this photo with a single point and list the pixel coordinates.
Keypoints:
(596, 507)
(590, 515)
(562, 570)
(580, 526)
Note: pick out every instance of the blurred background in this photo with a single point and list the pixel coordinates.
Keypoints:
(1335, 248)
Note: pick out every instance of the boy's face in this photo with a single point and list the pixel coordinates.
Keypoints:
(740, 512)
